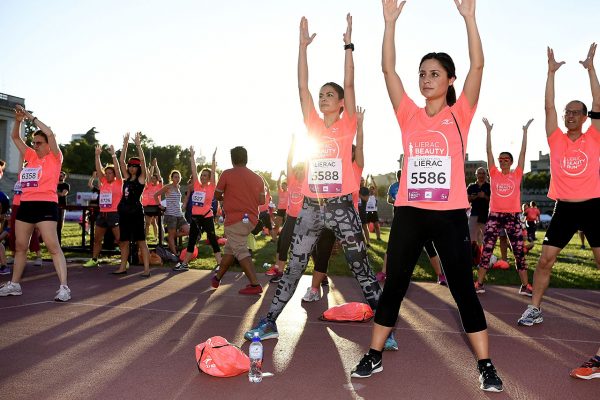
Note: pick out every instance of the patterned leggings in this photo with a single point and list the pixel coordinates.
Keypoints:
(339, 215)
(514, 231)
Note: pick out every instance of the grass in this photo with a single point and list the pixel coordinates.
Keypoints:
(575, 267)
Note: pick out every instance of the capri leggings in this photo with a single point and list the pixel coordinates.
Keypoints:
(512, 224)
(202, 224)
(285, 238)
(339, 215)
(449, 231)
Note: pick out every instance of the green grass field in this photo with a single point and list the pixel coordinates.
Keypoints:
(575, 268)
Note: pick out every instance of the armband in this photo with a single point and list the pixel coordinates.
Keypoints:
(349, 46)
(594, 114)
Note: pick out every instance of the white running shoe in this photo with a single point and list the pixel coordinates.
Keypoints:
(63, 293)
(10, 289)
(311, 295)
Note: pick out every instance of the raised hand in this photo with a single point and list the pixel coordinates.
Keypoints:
(360, 114)
(111, 150)
(154, 162)
(553, 65)
(126, 139)
(588, 63)
(305, 37)
(98, 150)
(392, 9)
(466, 8)
(487, 124)
(192, 153)
(19, 113)
(138, 139)
(348, 34)
(214, 156)
(526, 126)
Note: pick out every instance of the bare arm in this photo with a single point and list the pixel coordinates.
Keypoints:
(588, 64)
(113, 157)
(122, 156)
(140, 151)
(359, 154)
(160, 192)
(290, 157)
(156, 169)
(92, 179)
(193, 166)
(16, 131)
(549, 106)
(45, 129)
(349, 96)
(391, 12)
(99, 170)
(213, 168)
(488, 143)
(521, 162)
(472, 86)
(306, 101)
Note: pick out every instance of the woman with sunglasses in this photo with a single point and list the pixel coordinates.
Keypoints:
(39, 202)
(131, 211)
(505, 210)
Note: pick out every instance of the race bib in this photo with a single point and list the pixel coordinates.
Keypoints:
(30, 177)
(371, 204)
(198, 198)
(325, 175)
(105, 199)
(428, 178)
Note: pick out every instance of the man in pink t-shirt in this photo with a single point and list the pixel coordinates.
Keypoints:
(241, 191)
(574, 182)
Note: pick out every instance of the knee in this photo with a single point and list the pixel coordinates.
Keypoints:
(545, 262)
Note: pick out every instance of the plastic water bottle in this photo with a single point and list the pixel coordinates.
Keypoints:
(245, 219)
(256, 356)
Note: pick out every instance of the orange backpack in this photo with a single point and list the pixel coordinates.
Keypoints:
(218, 357)
(349, 312)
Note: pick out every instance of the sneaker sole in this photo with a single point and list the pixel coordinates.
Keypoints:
(526, 294)
(480, 291)
(62, 301)
(273, 335)
(535, 321)
(494, 389)
(588, 377)
(375, 371)
(11, 294)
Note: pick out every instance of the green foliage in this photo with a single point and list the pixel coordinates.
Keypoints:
(536, 180)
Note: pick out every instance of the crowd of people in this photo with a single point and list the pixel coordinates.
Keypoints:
(324, 199)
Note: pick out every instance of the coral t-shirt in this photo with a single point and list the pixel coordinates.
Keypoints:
(110, 194)
(532, 214)
(39, 178)
(202, 198)
(242, 190)
(506, 190)
(148, 194)
(329, 170)
(433, 175)
(295, 196)
(574, 165)
(283, 197)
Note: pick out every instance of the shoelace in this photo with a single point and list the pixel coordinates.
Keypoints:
(366, 361)
(489, 372)
(527, 312)
(591, 363)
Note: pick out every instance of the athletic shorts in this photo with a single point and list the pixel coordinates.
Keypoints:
(568, 218)
(152, 211)
(33, 212)
(237, 240)
(173, 222)
(372, 216)
(107, 220)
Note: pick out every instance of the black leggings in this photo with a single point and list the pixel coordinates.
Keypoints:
(411, 229)
(201, 224)
(285, 238)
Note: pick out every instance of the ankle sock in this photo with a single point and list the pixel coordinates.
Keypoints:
(376, 354)
(484, 362)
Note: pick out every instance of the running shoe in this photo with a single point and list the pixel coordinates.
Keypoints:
(215, 282)
(588, 370)
(526, 290)
(479, 288)
(10, 289)
(367, 367)
(311, 295)
(390, 343)
(63, 293)
(489, 379)
(90, 263)
(276, 278)
(272, 271)
(181, 267)
(266, 330)
(249, 289)
(441, 280)
(532, 315)
(5, 270)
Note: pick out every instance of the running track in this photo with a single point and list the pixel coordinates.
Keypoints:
(130, 338)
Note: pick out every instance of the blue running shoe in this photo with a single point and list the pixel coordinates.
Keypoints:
(266, 330)
(390, 343)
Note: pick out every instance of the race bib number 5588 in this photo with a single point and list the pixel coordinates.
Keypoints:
(325, 175)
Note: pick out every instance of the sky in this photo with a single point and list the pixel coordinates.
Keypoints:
(224, 73)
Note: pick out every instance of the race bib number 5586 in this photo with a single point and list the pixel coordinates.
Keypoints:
(428, 178)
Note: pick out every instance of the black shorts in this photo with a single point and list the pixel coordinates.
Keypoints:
(152, 211)
(107, 220)
(132, 226)
(281, 212)
(372, 216)
(33, 212)
(568, 218)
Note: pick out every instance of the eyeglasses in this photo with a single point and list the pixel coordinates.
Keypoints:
(573, 113)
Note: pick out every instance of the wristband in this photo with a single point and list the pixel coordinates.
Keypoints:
(349, 46)
(594, 114)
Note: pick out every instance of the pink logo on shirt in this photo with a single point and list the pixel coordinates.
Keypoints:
(428, 143)
(505, 189)
(574, 162)
(328, 148)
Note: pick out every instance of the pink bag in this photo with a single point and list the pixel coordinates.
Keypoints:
(349, 312)
(218, 357)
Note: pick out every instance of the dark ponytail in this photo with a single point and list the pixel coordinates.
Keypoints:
(446, 61)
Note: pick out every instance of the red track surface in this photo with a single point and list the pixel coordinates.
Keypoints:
(130, 338)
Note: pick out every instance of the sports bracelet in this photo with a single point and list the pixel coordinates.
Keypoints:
(349, 46)
(594, 114)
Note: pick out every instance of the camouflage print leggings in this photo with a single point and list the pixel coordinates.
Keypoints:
(339, 215)
(514, 232)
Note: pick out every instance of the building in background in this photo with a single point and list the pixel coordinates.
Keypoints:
(8, 152)
(542, 164)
